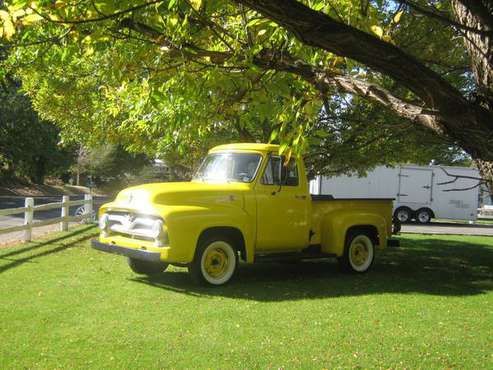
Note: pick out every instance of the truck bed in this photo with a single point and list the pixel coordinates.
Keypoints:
(331, 215)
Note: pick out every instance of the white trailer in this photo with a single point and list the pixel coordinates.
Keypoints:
(420, 192)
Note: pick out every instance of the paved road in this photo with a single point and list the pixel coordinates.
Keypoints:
(449, 228)
(14, 220)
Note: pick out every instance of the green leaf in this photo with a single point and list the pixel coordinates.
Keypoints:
(31, 19)
(171, 4)
(377, 30)
(273, 136)
(253, 22)
(8, 28)
(397, 17)
(173, 20)
(196, 4)
(322, 133)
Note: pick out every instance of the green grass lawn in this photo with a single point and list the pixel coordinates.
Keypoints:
(428, 304)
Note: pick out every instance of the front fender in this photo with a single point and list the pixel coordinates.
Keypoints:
(335, 226)
(186, 223)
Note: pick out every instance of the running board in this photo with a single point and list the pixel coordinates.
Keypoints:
(312, 252)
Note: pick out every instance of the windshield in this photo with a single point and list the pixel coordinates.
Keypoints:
(240, 167)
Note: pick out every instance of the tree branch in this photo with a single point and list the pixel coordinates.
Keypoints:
(465, 122)
(444, 18)
(322, 79)
(457, 177)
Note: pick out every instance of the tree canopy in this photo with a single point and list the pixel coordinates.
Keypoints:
(163, 76)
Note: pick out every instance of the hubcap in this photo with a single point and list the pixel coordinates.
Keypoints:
(359, 253)
(216, 262)
(424, 217)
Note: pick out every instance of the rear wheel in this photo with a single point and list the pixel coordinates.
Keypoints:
(145, 267)
(359, 252)
(215, 261)
(423, 216)
(403, 214)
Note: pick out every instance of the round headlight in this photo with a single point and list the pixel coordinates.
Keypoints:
(104, 222)
(157, 229)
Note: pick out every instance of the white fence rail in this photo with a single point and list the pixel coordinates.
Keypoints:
(29, 209)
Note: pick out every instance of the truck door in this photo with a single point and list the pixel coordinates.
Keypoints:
(282, 208)
(415, 185)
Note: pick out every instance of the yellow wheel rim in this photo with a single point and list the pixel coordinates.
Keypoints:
(216, 262)
(359, 252)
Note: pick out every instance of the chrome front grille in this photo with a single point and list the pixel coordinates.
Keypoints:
(130, 224)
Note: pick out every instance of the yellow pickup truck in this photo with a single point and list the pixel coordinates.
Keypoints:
(245, 202)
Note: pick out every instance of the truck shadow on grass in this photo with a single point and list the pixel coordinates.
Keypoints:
(426, 266)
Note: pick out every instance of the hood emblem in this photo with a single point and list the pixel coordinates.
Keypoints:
(129, 221)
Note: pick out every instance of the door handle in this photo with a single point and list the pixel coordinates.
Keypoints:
(300, 196)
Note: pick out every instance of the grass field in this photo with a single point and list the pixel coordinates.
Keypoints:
(428, 304)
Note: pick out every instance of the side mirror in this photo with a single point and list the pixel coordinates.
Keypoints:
(284, 173)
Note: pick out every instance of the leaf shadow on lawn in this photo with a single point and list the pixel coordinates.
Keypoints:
(35, 250)
(426, 266)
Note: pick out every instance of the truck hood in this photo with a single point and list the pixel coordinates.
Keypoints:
(182, 193)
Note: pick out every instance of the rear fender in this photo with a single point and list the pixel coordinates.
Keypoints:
(336, 225)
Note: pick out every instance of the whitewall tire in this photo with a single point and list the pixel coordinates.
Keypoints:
(215, 262)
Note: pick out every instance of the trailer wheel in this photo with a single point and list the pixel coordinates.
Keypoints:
(215, 262)
(359, 252)
(423, 216)
(145, 267)
(403, 214)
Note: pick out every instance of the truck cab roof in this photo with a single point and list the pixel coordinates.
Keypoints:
(246, 146)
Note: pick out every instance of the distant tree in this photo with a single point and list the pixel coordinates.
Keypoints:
(29, 147)
(110, 162)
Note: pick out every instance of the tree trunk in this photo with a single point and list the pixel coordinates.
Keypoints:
(486, 170)
(479, 45)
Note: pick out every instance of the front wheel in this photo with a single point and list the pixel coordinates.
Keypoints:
(215, 261)
(359, 253)
(145, 267)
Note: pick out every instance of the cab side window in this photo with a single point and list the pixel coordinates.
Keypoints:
(291, 178)
(276, 173)
(272, 172)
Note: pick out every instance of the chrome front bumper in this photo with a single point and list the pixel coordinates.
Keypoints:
(137, 254)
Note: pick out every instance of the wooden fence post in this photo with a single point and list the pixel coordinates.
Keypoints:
(28, 218)
(88, 207)
(65, 213)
